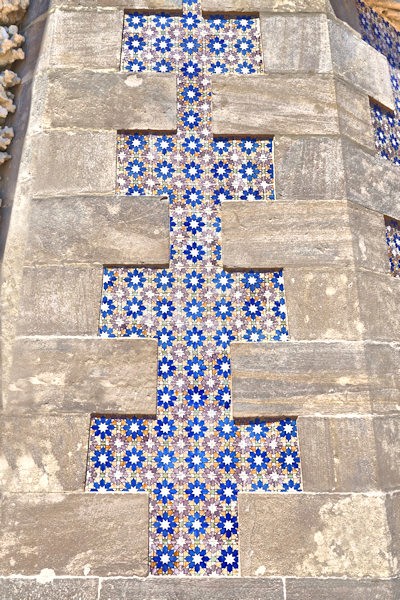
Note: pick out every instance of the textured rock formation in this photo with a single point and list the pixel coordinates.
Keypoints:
(12, 11)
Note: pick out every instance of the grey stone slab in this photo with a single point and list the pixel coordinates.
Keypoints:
(299, 233)
(370, 249)
(190, 588)
(298, 378)
(247, 6)
(66, 162)
(91, 99)
(43, 453)
(387, 435)
(308, 168)
(175, 5)
(323, 304)
(379, 302)
(338, 589)
(393, 514)
(338, 454)
(57, 589)
(281, 104)
(85, 375)
(354, 113)
(75, 534)
(360, 64)
(58, 300)
(314, 535)
(295, 43)
(107, 230)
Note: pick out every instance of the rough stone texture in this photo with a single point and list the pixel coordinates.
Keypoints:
(308, 535)
(298, 378)
(43, 454)
(387, 435)
(285, 234)
(61, 300)
(308, 168)
(354, 113)
(104, 230)
(162, 588)
(360, 64)
(369, 239)
(84, 375)
(247, 6)
(323, 304)
(338, 454)
(383, 362)
(274, 104)
(156, 5)
(379, 299)
(114, 101)
(57, 589)
(393, 513)
(73, 162)
(331, 589)
(74, 534)
(12, 11)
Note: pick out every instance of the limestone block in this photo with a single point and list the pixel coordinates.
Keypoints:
(59, 300)
(369, 238)
(339, 589)
(297, 378)
(85, 375)
(387, 435)
(43, 454)
(73, 162)
(308, 168)
(89, 99)
(354, 114)
(314, 535)
(281, 104)
(285, 234)
(393, 513)
(338, 454)
(295, 43)
(192, 588)
(175, 5)
(12, 11)
(360, 64)
(55, 589)
(246, 6)
(323, 304)
(107, 230)
(75, 534)
(379, 305)
(383, 363)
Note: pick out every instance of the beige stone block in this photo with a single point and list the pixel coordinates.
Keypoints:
(346, 10)
(175, 5)
(308, 168)
(360, 64)
(298, 378)
(57, 589)
(387, 435)
(339, 589)
(383, 363)
(75, 534)
(393, 514)
(93, 100)
(58, 300)
(379, 305)
(338, 454)
(69, 162)
(85, 375)
(295, 43)
(247, 6)
(111, 230)
(323, 304)
(354, 114)
(314, 535)
(370, 249)
(274, 104)
(299, 233)
(43, 453)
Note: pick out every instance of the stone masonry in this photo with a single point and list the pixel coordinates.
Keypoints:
(327, 222)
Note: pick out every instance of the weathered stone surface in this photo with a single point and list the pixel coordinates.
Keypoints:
(360, 64)
(133, 4)
(57, 589)
(387, 435)
(393, 514)
(383, 363)
(274, 104)
(379, 303)
(89, 99)
(295, 43)
(298, 378)
(323, 304)
(75, 534)
(84, 375)
(309, 168)
(314, 535)
(338, 454)
(277, 238)
(247, 6)
(217, 588)
(106, 230)
(370, 249)
(354, 112)
(43, 454)
(61, 300)
(73, 162)
(339, 589)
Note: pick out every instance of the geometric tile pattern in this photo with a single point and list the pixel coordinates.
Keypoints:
(382, 36)
(393, 242)
(193, 459)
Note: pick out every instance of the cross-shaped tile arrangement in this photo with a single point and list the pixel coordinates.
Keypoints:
(193, 459)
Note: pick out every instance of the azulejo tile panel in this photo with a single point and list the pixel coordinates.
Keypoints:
(393, 242)
(193, 459)
(382, 36)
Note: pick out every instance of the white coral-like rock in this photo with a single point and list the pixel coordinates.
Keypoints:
(6, 135)
(12, 11)
(4, 156)
(7, 80)
(10, 42)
